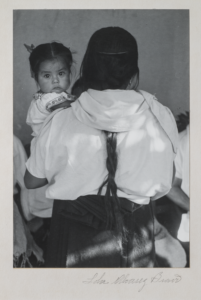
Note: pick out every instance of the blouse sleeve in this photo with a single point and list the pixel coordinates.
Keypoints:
(36, 163)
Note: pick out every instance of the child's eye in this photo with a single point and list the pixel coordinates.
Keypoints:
(61, 73)
(47, 75)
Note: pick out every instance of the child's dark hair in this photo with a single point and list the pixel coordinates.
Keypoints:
(49, 51)
(111, 60)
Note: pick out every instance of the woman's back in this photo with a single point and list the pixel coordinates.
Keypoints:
(72, 152)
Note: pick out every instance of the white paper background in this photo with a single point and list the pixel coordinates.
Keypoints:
(68, 283)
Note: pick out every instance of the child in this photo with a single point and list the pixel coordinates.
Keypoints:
(50, 66)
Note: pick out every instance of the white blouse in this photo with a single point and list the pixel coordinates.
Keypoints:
(71, 151)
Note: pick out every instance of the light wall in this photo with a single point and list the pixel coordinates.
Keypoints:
(163, 44)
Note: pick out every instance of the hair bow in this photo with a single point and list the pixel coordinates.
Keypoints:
(29, 48)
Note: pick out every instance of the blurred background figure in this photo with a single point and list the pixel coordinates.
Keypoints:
(25, 249)
(175, 215)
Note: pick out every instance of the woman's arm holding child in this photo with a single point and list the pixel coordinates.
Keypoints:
(32, 182)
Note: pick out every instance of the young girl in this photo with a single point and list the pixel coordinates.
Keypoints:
(50, 66)
(105, 158)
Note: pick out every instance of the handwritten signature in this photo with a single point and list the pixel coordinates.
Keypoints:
(126, 279)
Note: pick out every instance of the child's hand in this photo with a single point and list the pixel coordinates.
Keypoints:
(65, 104)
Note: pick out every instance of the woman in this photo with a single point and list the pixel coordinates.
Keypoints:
(104, 159)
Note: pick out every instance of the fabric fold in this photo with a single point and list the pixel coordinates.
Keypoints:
(90, 210)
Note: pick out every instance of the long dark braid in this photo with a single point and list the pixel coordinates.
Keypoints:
(112, 202)
(110, 62)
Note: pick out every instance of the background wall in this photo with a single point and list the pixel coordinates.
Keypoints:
(163, 44)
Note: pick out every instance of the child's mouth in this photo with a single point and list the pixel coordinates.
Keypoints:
(57, 90)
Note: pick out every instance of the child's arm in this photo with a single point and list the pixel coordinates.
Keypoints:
(60, 100)
(36, 116)
(41, 107)
(65, 104)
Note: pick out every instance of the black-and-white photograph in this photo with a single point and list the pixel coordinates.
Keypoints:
(101, 138)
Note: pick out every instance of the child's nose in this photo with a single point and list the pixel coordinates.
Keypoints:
(55, 79)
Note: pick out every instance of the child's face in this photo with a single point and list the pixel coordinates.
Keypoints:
(53, 76)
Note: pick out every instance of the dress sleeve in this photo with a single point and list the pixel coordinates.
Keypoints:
(36, 116)
(36, 163)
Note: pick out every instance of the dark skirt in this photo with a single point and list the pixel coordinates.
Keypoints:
(78, 238)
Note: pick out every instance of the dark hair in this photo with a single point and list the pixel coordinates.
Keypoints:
(183, 121)
(49, 51)
(111, 201)
(110, 61)
(77, 87)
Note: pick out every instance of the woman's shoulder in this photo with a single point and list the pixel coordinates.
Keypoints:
(148, 96)
(157, 107)
(154, 102)
(58, 115)
(164, 116)
(54, 122)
